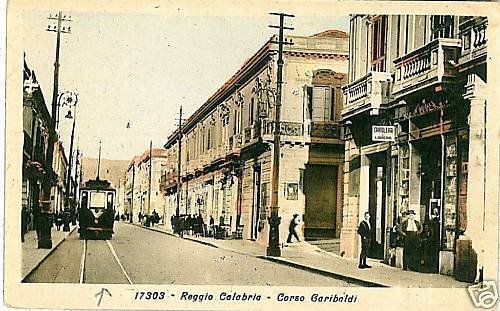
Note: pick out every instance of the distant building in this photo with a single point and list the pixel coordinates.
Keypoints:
(60, 169)
(137, 198)
(111, 170)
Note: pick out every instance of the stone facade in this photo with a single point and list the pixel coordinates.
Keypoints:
(136, 184)
(423, 78)
(36, 126)
(226, 144)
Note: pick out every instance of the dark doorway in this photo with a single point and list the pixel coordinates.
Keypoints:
(320, 190)
(256, 202)
(430, 200)
(377, 203)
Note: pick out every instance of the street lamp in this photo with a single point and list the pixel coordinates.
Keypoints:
(67, 98)
(69, 210)
(273, 248)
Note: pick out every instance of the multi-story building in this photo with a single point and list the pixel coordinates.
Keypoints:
(60, 169)
(139, 180)
(36, 125)
(414, 112)
(226, 156)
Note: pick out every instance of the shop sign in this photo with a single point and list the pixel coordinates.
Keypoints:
(383, 133)
(429, 106)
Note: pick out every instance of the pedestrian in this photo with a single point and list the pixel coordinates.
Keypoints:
(291, 229)
(200, 225)
(24, 222)
(140, 217)
(410, 230)
(172, 223)
(155, 218)
(180, 226)
(59, 220)
(212, 225)
(188, 224)
(365, 232)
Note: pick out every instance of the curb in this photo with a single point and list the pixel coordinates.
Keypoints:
(284, 262)
(23, 277)
(334, 275)
(175, 235)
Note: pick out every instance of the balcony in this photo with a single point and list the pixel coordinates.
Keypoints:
(168, 181)
(370, 93)
(234, 144)
(288, 129)
(474, 35)
(251, 134)
(431, 65)
(324, 130)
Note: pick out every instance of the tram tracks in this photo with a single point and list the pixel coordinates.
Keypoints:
(85, 263)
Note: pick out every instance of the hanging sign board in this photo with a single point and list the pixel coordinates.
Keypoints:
(383, 133)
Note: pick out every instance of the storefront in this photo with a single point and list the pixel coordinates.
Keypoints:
(429, 161)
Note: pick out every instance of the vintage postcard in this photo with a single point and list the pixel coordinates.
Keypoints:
(252, 155)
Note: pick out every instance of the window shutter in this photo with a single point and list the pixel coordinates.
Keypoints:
(318, 101)
(328, 104)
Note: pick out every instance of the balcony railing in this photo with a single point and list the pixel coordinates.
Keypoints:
(248, 134)
(429, 65)
(286, 128)
(234, 143)
(370, 92)
(168, 180)
(474, 35)
(324, 130)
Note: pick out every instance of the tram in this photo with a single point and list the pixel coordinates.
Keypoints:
(97, 210)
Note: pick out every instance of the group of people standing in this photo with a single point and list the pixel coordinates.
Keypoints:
(420, 243)
(188, 224)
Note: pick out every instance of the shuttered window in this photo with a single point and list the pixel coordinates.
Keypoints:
(442, 26)
(379, 42)
(321, 103)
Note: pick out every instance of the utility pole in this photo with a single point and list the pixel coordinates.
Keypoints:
(133, 181)
(150, 175)
(99, 162)
(273, 248)
(44, 223)
(76, 187)
(68, 208)
(179, 181)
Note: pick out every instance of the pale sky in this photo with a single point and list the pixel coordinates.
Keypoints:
(140, 68)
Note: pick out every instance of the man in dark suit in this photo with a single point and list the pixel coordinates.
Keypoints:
(410, 229)
(364, 230)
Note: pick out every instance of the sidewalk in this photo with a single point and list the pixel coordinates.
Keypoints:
(31, 256)
(309, 257)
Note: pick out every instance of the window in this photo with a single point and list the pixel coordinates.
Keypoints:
(209, 138)
(251, 111)
(110, 200)
(84, 200)
(442, 26)
(235, 122)
(379, 43)
(320, 103)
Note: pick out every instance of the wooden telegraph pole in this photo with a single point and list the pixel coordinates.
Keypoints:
(44, 221)
(273, 248)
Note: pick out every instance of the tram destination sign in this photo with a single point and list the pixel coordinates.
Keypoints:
(383, 133)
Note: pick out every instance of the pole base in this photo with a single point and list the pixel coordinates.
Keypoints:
(45, 230)
(273, 251)
(45, 243)
(273, 248)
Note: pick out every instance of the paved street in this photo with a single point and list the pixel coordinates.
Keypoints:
(149, 257)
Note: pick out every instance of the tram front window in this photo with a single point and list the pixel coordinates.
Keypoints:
(97, 200)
